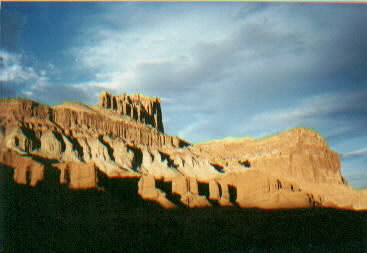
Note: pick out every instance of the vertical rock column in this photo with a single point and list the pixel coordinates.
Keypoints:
(225, 198)
(27, 171)
(214, 193)
(144, 109)
(187, 188)
(180, 186)
(146, 187)
(78, 175)
(147, 190)
(219, 192)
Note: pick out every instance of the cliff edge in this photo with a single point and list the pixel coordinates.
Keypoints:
(144, 109)
(123, 137)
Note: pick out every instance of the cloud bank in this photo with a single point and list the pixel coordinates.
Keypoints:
(222, 69)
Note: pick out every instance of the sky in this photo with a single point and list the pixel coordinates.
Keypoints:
(221, 69)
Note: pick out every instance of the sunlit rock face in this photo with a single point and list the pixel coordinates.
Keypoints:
(144, 109)
(26, 170)
(301, 154)
(148, 191)
(122, 137)
(78, 175)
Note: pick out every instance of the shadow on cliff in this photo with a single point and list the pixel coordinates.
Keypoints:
(52, 218)
(124, 192)
(138, 157)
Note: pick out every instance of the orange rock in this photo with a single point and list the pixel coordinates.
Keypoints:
(187, 188)
(144, 109)
(214, 193)
(193, 200)
(123, 137)
(182, 185)
(26, 170)
(76, 120)
(298, 153)
(225, 197)
(147, 190)
(78, 175)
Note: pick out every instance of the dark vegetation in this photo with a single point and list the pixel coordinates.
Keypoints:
(51, 218)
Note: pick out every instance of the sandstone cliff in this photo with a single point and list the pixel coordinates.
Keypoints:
(146, 110)
(122, 137)
(299, 153)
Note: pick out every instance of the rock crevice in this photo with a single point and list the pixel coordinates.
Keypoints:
(123, 137)
(144, 109)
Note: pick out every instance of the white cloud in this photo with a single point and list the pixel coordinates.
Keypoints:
(191, 128)
(237, 66)
(166, 49)
(318, 112)
(197, 56)
(12, 69)
(222, 69)
(22, 80)
(358, 178)
(355, 153)
(17, 78)
(158, 50)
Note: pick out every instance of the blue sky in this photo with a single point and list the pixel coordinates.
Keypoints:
(221, 69)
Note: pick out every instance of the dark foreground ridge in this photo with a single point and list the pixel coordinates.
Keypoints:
(52, 218)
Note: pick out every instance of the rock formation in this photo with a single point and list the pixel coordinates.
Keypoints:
(75, 121)
(78, 175)
(122, 137)
(214, 193)
(300, 154)
(148, 191)
(187, 188)
(26, 170)
(146, 110)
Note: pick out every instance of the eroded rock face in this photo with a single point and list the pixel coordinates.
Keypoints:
(193, 200)
(153, 163)
(78, 175)
(123, 137)
(17, 139)
(147, 190)
(77, 133)
(225, 197)
(187, 188)
(144, 109)
(75, 121)
(121, 154)
(26, 170)
(214, 193)
(255, 189)
(52, 145)
(191, 165)
(299, 154)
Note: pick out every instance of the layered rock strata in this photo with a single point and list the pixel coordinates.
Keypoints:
(148, 191)
(144, 109)
(26, 170)
(187, 189)
(30, 172)
(123, 137)
(300, 154)
(71, 120)
(78, 175)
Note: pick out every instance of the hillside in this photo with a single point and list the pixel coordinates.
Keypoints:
(122, 138)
